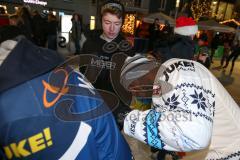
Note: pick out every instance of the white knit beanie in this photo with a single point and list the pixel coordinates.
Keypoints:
(136, 67)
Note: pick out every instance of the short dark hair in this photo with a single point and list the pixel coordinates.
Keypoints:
(78, 15)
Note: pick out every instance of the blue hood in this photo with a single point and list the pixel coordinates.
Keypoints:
(26, 61)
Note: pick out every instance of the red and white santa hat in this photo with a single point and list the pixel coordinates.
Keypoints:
(185, 26)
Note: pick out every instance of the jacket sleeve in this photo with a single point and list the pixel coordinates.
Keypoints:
(159, 130)
(108, 140)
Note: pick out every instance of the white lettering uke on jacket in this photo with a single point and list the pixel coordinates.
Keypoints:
(195, 115)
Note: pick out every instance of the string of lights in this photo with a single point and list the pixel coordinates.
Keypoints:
(230, 20)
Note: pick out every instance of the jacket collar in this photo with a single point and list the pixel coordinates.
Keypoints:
(25, 62)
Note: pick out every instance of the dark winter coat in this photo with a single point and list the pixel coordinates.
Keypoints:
(178, 47)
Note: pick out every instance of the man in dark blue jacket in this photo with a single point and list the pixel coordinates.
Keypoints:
(49, 112)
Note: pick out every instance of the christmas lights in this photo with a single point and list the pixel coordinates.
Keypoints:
(200, 8)
(230, 20)
(129, 24)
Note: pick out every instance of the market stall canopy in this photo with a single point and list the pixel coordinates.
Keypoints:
(162, 18)
(215, 26)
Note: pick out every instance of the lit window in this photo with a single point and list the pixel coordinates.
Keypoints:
(229, 11)
(92, 22)
(66, 23)
(177, 3)
(61, 13)
(214, 8)
(222, 11)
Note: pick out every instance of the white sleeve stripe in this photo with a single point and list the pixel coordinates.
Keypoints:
(78, 143)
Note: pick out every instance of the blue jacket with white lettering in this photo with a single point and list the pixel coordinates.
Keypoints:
(50, 112)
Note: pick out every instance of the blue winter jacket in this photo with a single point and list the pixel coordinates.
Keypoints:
(49, 112)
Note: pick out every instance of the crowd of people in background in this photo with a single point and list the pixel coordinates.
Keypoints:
(40, 29)
(205, 47)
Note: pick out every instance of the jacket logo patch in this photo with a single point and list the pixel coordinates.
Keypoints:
(56, 90)
(180, 65)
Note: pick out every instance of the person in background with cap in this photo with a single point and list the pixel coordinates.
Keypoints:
(188, 116)
(106, 45)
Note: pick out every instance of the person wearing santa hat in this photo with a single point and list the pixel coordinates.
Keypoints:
(185, 30)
